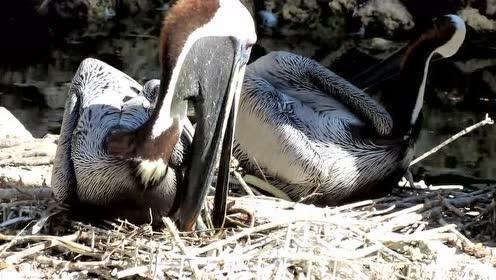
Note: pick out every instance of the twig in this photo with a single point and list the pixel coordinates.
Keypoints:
(250, 215)
(402, 238)
(313, 194)
(457, 202)
(78, 265)
(41, 193)
(263, 242)
(179, 242)
(135, 231)
(143, 36)
(243, 184)
(308, 197)
(68, 244)
(263, 185)
(232, 222)
(367, 236)
(260, 170)
(351, 206)
(421, 185)
(399, 213)
(18, 256)
(12, 241)
(484, 122)
(208, 215)
(464, 239)
(43, 5)
(132, 271)
(380, 212)
(15, 162)
(15, 221)
(232, 238)
(445, 187)
(452, 208)
(42, 221)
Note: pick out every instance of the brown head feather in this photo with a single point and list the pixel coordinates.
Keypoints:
(182, 19)
(441, 32)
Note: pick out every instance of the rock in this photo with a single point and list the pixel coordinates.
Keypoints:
(490, 78)
(25, 176)
(485, 7)
(55, 95)
(478, 22)
(11, 130)
(385, 17)
(491, 7)
(343, 4)
(267, 18)
(475, 64)
(309, 22)
(299, 11)
(74, 10)
(28, 163)
(95, 11)
(24, 160)
(423, 11)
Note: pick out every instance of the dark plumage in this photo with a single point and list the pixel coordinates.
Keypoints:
(130, 152)
(312, 131)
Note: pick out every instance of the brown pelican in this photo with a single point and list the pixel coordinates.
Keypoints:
(124, 151)
(320, 137)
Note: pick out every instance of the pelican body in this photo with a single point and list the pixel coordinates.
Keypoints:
(319, 137)
(130, 152)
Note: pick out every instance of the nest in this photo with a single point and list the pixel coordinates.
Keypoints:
(419, 232)
(411, 234)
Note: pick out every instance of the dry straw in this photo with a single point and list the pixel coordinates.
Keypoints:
(413, 234)
(417, 232)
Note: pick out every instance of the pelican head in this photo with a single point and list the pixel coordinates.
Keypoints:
(205, 46)
(452, 31)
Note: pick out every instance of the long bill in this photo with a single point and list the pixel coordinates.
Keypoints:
(216, 113)
(375, 75)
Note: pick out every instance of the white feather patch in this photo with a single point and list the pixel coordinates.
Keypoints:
(151, 171)
(232, 19)
(446, 50)
(456, 41)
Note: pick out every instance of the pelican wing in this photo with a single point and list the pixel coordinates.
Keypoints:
(291, 71)
(63, 175)
(378, 73)
(101, 93)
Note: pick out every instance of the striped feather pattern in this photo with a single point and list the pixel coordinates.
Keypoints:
(295, 125)
(101, 99)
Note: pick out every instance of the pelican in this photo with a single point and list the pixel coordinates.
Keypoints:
(321, 139)
(130, 152)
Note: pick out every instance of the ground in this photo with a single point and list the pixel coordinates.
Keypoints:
(414, 233)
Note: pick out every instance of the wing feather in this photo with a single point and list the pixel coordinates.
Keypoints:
(320, 88)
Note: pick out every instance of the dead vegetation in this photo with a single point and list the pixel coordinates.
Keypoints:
(412, 234)
(418, 232)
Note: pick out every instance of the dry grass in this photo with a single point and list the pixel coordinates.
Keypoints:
(423, 232)
(412, 234)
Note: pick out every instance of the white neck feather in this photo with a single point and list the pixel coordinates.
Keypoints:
(232, 19)
(446, 50)
(419, 103)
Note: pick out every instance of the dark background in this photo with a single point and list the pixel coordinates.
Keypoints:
(43, 42)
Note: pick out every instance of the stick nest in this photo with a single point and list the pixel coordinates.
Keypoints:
(411, 234)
